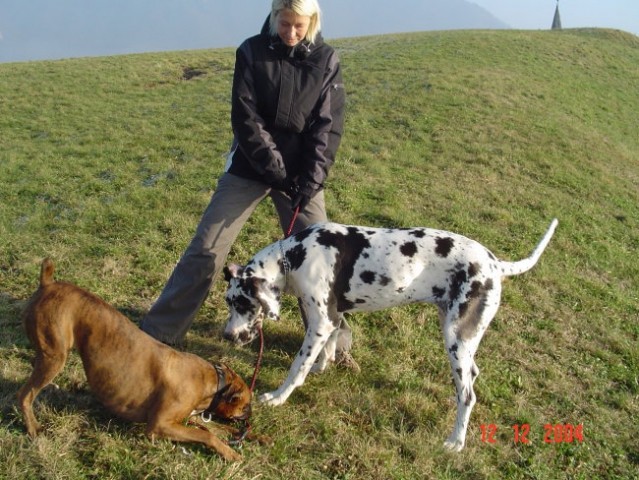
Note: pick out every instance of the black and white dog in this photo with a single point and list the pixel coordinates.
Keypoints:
(334, 268)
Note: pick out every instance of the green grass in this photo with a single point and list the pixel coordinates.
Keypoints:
(107, 163)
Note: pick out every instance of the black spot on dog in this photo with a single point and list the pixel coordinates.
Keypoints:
(384, 280)
(453, 351)
(409, 249)
(296, 256)
(419, 233)
(488, 285)
(475, 290)
(459, 372)
(334, 316)
(304, 234)
(472, 310)
(439, 292)
(243, 305)
(248, 288)
(458, 279)
(350, 247)
(473, 269)
(368, 277)
(276, 292)
(444, 246)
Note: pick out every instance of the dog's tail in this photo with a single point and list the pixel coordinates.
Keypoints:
(46, 272)
(515, 268)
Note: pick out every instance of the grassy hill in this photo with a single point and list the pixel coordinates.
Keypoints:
(107, 163)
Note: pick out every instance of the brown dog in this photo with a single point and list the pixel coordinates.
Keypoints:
(132, 374)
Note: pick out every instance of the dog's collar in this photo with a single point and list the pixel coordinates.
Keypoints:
(285, 264)
(222, 387)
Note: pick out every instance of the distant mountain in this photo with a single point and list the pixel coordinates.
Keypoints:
(364, 17)
(42, 29)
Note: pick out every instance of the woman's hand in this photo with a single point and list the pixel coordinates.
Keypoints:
(303, 192)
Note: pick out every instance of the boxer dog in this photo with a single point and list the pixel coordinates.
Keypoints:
(334, 268)
(134, 376)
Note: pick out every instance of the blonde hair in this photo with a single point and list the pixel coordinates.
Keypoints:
(308, 8)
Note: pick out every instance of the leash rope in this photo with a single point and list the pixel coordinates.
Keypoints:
(292, 224)
(237, 442)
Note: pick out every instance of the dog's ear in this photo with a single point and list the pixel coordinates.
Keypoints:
(232, 271)
(268, 296)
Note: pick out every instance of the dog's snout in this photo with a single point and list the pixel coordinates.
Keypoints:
(240, 338)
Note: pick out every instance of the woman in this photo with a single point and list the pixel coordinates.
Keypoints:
(287, 115)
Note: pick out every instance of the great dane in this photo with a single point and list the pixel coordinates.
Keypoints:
(335, 268)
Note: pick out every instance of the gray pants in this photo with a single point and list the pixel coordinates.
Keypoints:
(232, 203)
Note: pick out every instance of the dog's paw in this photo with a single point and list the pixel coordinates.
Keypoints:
(453, 444)
(34, 432)
(270, 399)
(228, 454)
(232, 456)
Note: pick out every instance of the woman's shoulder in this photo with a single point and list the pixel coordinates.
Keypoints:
(325, 52)
(255, 39)
(254, 46)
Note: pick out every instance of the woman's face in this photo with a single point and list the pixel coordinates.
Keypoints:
(291, 27)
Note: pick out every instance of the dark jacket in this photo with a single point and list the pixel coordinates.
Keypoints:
(287, 111)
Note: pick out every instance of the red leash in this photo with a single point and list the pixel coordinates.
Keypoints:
(258, 363)
(292, 224)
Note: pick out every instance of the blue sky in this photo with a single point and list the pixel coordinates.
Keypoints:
(533, 14)
(50, 29)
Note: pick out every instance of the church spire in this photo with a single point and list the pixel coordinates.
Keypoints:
(556, 21)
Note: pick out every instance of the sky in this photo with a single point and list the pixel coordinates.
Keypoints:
(533, 14)
(52, 29)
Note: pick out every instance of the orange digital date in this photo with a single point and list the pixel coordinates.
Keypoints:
(558, 433)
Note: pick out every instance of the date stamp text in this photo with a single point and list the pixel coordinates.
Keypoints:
(552, 433)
